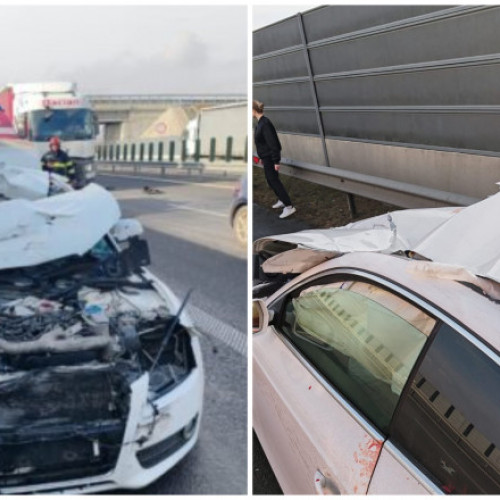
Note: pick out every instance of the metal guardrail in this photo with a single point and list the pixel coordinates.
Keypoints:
(399, 193)
(167, 151)
(162, 166)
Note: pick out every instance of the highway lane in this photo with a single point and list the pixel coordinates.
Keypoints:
(192, 246)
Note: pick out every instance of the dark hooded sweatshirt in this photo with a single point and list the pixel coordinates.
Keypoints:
(266, 141)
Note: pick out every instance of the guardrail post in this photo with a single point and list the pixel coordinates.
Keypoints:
(229, 148)
(183, 150)
(212, 149)
(132, 152)
(141, 152)
(151, 151)
(160, 151)
(197, 150)
(125, 152)
(110, 150)
(117, 152)
(171, 151)
(352, 205)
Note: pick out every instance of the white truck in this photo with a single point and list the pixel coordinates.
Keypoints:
(39, 111)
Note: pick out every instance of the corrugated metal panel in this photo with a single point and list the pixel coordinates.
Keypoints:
(416, 76)
(284, 34)
(329, 21)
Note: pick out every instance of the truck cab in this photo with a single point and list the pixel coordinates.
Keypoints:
(39, 111)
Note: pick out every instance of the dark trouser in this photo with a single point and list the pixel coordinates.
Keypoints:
(274, 182)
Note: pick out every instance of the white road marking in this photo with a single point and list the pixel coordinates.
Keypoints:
(200, 210)
(228, 335)
(166, 181)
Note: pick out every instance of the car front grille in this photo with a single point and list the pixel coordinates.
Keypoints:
(153, 455)
(60, 458)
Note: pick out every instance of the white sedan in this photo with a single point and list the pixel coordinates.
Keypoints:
(377, 370)
(101, 375)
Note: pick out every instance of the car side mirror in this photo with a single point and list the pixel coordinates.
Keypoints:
(260, 316)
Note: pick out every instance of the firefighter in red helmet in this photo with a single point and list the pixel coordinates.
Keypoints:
(57, 161)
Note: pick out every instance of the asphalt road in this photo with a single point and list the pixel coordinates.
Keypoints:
(265, 223)
(192, 246)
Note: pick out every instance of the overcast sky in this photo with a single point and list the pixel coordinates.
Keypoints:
(127, 49)
(262, 15)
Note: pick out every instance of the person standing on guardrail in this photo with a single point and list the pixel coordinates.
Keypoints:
(269, 151)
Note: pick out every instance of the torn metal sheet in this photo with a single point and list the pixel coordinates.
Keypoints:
(388, 233)
(296, 261)
(436, 234)
(33, 232)
(470, 239)
(28, 183)
(455, 273)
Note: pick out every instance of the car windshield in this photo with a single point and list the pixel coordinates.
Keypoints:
(67, 124)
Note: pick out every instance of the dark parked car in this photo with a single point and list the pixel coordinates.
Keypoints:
(239, 211)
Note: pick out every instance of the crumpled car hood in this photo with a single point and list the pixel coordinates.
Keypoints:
(21, 175)
(28, 183)
(399, 230)
(34, 232)
(460, 236)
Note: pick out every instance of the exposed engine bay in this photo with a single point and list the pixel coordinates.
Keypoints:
(74, 334)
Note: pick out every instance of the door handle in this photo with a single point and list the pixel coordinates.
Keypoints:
(324, 486)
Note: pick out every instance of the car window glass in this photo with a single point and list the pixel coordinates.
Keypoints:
(449, 420)
(363, 339)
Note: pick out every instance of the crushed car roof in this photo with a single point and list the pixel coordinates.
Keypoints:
(34, 232)
(453, 235)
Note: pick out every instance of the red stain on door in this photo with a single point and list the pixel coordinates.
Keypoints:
(367, 456)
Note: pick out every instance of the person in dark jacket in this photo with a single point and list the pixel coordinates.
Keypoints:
(269, 151)
(57, 161)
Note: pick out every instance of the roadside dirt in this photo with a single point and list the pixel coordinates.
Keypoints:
(319, 206)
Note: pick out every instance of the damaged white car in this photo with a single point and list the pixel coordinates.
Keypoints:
(376, 354)
(101, 377)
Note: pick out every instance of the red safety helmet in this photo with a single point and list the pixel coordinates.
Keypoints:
(54, 141)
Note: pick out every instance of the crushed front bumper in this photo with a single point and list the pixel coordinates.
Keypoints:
(157, 436)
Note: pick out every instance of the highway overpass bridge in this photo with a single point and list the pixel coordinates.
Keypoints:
(132, 117)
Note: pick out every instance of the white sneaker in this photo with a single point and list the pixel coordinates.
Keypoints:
(287, 211)
(278, 204)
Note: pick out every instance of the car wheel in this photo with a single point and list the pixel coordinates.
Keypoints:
(240, 225)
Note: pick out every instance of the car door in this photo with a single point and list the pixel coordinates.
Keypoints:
(328, 374)
(445, 435)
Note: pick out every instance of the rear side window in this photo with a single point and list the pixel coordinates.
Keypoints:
(449, 422)
(363, 339)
